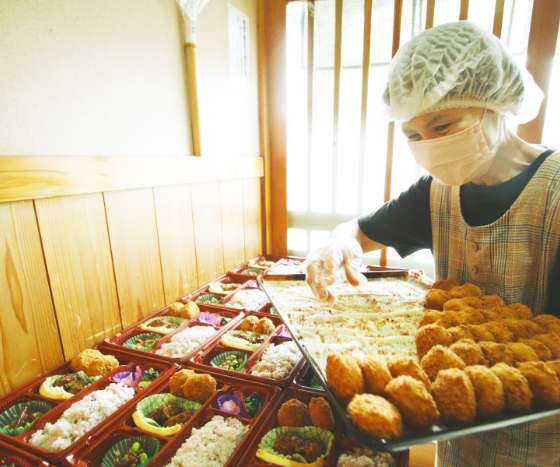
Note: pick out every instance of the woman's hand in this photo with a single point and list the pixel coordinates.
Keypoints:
(336, 261)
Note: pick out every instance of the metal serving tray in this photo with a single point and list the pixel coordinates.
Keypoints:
(410, 438)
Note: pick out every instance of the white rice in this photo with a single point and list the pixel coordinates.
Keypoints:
(81, 417)
(250, 300)
(365, 457)
(211, 445)
(277, 361)
(186, 341)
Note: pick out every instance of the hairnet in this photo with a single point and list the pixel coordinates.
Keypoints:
(459, 65)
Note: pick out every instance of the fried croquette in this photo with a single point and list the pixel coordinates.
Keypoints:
(320, 413)
(177, 380)
(344, 376)
(548, 323)
(293, 412)
(445, 284)
(543, 381)
(496, 353)
(460, 332)
(93, 363)
(460, 304)
(480, 333)
(414, 401)
(376, 375)
(469, 351)
(430, 335)
(249, 323)
(375, 416)
(522, 328)
(187, 310)
(497, 313)
(516, 387)
(199, 387)
(440, 358)
(472, 316)
(500, 331)
(450, 318)
(265, 326)
(455, 396)
(542, 351)
(522, 352)
(554, 365)
(489, 301)
(435, 298)
(520, 311)
(552, 341)
(406, 366)
(465, 290)
(430, 317)
(489, 391)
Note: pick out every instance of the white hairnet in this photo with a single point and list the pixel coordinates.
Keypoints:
(459, 65)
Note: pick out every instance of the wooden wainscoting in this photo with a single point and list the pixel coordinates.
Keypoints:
(78, 261)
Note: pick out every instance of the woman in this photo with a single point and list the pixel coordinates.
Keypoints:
(489, 210)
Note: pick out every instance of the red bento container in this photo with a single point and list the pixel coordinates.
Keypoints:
(340, 444)
(116, 342)
(31, 392)
(238, 271)
(202, 360)
(92, 454)
(226, 279)
(20, 458)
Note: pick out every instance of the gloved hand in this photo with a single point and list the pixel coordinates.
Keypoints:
(337, 261)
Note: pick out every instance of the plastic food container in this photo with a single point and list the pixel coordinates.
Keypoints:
(306, 379)
(205, 290)
(341, 442)
(204, 358)
(242, 270)
(30, 392)
(124, 427)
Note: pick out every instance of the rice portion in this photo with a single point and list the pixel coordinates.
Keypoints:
(186, 341)
(211, 445)
(81, 417)
(277, 361)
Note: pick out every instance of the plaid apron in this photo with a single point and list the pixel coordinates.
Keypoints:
(511, 257)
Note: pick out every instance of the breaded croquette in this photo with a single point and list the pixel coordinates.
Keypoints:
(496, 353)
(406, 366)
(497, 313)
(489, 301)
(344, 376)
(500, 331)
(522, 328)
(320, 413)
(440, 358)
(469, 351)
(430, 317)
(472, 316)
(249, 323)
(460, 332)
(450, 318)
(542, 351)
(465, 290)
(265, 326)
(522, 352)
(414, 401)
(460, 304)
(480, 333)
(455, 396)
(375, 416)
(554, 365)
(199, 388)
(489, 391)
(445, 284)
(548, 323)
(520, 311)
(376, 374)
(177, 380)
(430, 335)
(93, 363)
(516, 387)
(543, 381)
(552, 341)
(293, 412)
(435, 298)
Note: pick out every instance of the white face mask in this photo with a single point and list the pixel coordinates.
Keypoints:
(458, 158)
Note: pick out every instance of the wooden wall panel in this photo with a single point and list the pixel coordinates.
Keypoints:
(29, 338)
(252, 216)
(76, 245)
(208, 230)
(176, 240)
(134, 243)
(233, 228)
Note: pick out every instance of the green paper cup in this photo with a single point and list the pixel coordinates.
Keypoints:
(208, 299)
(137, 342)
(146, 447)
(12, 414)
(219, 360)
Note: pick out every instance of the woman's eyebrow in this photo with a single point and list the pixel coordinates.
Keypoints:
(436, 118)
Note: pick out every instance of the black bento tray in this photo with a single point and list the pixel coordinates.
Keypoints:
(437, 432)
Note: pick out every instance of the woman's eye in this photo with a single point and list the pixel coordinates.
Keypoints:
(444, 127)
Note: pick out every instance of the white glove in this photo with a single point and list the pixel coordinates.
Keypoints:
(335, 262)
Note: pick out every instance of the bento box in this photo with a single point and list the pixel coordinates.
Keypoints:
(213, 293)
(302, 428)
(12, 456)
(47, 419)
(269, 264)
(142, 430)
(274, 359)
